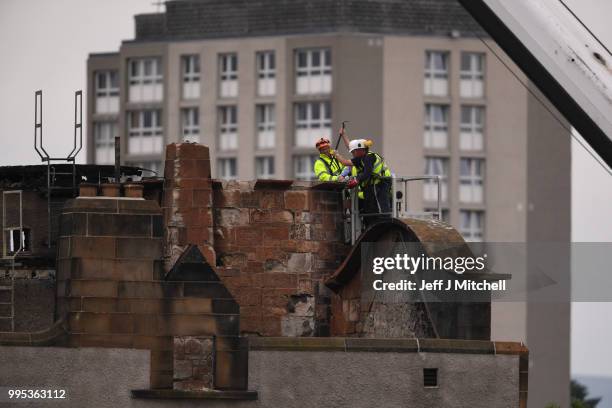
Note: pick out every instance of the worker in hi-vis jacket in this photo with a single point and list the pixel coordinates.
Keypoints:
(329, 165)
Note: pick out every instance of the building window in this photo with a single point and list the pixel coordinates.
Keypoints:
(312, 121)
(191, 76)
(104, 139)
(266, 126)
(471, 84)
(471, 132)
(145, 132)
(472, 225)
(436, 73)
(227, 168)
(436, 126)
(264, 167)
(149, 168)
(228, 75)
(436, 166)
(145, 79)
(107, 91)
(228, 128)
(471, 177)
(266, 73)
(18, 240)
(313, 71)
(303, 167)
(190, 124)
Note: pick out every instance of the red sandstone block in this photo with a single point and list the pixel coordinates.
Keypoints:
(280, 280)
(264, 253)
(257, 279)
(271, 327)
(274, 312)
(250, 311)
(254, 267)
(203, 168)
(308, 246)
(296, 200)
(197, 235)
(305, 286)
(202, 198)
(185, 168)
(171, 151)
(153, 343)
(182, 198)
(188, 183)
(226, 198)
(271, 216)
(192, 151)
(209, 254)
(169, 169)
(252, 325)
(249, 199)
(248, 236)
(272, 200)
(248, 296)
(278, 233)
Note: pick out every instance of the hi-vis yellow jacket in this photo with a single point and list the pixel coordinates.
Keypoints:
(379, 171)
(327, 168)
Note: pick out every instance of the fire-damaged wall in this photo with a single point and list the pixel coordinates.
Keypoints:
(273, 242)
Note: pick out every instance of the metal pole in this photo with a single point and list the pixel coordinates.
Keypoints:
(117, 159)
(439, 198)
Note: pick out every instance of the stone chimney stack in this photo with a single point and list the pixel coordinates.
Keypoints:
(187, 201)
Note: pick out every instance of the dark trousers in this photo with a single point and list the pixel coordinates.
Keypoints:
(376, 200)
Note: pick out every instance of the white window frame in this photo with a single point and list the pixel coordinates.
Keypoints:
(104, 142)
(265, 115)
(471, 133)
(266, 73)
(471, 180)
(436, 166)
(264, 167)
(228, 75)
(228, 127)
(190, 124)
(471, 77)
(107, 96)
(472, 225)
(436, 77)
(227, 168)
(436, 132)
(145, 86)
(308, 128)
(303, 167)
(313, 71)
(144, 139)
(190, 70)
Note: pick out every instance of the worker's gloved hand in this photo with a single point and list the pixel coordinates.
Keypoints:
(340, 178)
(346, 171)
(352, 183)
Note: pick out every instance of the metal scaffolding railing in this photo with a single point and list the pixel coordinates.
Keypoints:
(399, 207)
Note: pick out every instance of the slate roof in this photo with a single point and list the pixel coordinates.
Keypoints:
(199, 19)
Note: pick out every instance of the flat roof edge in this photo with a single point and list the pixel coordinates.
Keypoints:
(353, 344)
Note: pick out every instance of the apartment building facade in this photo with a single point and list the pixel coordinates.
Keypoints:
(429, 100)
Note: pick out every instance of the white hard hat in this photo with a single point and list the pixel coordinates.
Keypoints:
(357, 144)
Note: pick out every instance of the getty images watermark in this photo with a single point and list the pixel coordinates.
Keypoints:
(411, 265)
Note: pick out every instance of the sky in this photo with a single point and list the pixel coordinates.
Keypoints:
(44, 45)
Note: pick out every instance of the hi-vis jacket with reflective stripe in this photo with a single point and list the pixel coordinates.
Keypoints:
(379, 170)
(327, 168)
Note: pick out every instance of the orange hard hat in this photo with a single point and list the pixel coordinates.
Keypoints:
(322, 143)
